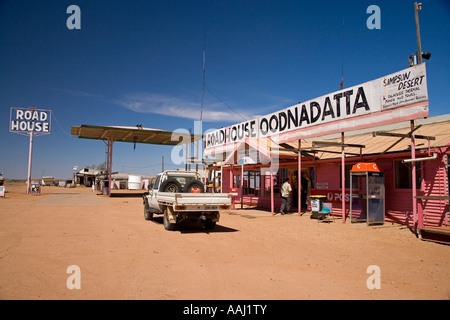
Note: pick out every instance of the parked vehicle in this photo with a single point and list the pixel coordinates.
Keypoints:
(179, 196)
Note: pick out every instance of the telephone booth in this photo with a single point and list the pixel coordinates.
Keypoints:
(367, 194)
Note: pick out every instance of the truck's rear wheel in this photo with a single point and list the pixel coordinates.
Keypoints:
(167, 224)
(210, 224)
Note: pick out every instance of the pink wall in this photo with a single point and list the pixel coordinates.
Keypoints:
(435, 184)
(399, 204)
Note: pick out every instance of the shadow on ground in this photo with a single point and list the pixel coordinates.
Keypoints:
(194, 227)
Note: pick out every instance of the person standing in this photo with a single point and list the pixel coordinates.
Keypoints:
(286, 190)
(305, 186)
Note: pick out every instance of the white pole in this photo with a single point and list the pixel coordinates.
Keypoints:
(30, 157)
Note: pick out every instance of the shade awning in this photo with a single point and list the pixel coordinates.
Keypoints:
(136, 134)
(433, 132)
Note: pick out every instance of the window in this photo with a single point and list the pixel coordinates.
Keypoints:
(278, 180)
(267, 183)
(236, 181)
(257, 183)
(403, 175)
(251, 183)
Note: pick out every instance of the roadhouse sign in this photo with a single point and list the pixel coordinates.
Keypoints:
(27, 120)
(403, 88)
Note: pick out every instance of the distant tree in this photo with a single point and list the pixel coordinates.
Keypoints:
(100, 167)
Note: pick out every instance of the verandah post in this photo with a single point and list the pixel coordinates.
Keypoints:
(414, 182)
(299, 179)
(272, 201)
(343, 177)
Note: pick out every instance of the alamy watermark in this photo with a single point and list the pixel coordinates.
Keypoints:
(74, 20)
(74, 280)
(374, 280)
(374, 21)
(265, 153)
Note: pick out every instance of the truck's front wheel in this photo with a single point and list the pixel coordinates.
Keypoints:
(167, 224)
(148, 215)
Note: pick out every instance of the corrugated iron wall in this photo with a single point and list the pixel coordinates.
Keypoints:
(435, 212)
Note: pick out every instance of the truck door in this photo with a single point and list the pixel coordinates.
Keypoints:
(153, 193)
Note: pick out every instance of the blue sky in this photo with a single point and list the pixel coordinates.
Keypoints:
(140, 62)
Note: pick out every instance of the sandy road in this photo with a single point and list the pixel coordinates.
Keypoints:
(250, 255)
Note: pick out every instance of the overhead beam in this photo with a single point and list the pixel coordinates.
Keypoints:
(287, 147)
(401, 135)
(103, 134)
(397, 142)
(335, 152)
(127, 135)
(336, 144)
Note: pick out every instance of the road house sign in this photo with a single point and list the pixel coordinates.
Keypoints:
(30, 120)
(397, 97)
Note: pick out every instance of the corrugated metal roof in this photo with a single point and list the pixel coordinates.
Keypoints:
(437, 127)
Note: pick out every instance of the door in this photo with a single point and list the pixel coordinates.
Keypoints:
(152, 201)
(375, 198)
(294, 185)
(304, 185)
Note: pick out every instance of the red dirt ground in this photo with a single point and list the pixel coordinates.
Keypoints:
(250, 254)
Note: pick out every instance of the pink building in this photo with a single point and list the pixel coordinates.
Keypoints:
(321, 163)
(317, 142)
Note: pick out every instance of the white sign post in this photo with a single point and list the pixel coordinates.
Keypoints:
(31, 122)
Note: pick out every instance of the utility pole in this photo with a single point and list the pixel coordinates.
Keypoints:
(417, 8)
(342, 73)
(415, 59)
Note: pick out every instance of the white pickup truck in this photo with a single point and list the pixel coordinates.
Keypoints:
(179, 195)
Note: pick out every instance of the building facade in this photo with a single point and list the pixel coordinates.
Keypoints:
(321, 171)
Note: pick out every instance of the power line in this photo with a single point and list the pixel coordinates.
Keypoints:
(221, 100)
(64, 131)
